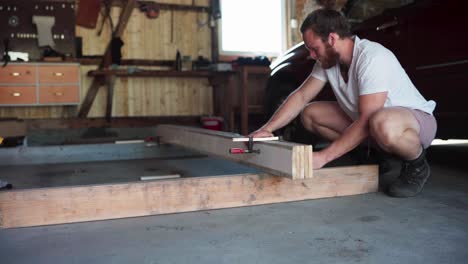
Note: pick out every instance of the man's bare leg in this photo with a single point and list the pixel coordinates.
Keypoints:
(325, 119)
(396, 130)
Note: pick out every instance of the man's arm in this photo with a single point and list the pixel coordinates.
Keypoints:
(355, 133)
(291, 107)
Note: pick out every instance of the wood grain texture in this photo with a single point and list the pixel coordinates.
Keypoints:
(276, 157)
(48, 206)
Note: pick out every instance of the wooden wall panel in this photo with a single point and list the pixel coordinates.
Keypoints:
(152, 96)
(144, 38)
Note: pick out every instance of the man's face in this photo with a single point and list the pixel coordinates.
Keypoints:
(319, 50)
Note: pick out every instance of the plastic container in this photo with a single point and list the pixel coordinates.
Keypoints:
(212, 123)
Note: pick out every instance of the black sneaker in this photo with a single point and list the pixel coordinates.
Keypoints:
(413, 176)
(364, 155)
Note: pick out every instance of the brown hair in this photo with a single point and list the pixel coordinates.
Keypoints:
(325, 21)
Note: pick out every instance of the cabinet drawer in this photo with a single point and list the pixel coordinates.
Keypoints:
(59, 94)
(18, 74)
(58, 74)
(17, 95)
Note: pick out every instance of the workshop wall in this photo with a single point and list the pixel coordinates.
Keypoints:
(153, 39)
(156, 39)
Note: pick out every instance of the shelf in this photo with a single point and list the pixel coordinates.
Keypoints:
(156, 73)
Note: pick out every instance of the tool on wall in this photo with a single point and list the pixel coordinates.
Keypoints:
(6, 56)
(250, 144)
(151, 9)
(24, 32)
(44, 26)
(106, 16)
(88, 13)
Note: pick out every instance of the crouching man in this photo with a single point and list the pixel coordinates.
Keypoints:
(375, 99)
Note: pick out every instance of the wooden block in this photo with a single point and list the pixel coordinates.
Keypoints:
(59, 205)
(276, 157)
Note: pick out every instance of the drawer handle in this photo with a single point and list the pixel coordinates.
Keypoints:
(16, 94)
(15, 74)
(58, 93)
(58, 74)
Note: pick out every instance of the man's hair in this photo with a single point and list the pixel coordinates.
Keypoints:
(325, 21)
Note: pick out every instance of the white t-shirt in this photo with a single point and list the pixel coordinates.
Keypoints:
(373, 69)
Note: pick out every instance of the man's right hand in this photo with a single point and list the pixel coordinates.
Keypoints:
(261, 133)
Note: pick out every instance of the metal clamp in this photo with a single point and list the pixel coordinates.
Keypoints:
(250, 145)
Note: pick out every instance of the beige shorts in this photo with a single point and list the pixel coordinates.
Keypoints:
(427, 126)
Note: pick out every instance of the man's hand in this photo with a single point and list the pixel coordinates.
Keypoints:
(261, 133)
(319, 160)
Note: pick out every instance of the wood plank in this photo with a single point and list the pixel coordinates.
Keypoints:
(46, 206)
(110, 80)
(89, 153)
(276, 157)
(156, 73)
(124, 122)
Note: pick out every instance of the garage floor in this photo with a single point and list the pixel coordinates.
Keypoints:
(372, 228)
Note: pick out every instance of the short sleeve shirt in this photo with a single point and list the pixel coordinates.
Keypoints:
(373, 69)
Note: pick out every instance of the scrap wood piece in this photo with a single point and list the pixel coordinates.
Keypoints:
(59, 205)
(276, 157)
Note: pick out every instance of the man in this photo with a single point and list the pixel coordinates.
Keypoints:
(375, 99)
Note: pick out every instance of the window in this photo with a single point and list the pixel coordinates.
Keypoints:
(252, 27)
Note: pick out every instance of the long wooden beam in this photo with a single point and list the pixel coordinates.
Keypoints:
(276, 157)
(46, 206)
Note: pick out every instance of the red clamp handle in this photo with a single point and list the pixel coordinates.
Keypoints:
(237, 151)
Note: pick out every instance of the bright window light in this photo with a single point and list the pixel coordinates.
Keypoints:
(252, 27)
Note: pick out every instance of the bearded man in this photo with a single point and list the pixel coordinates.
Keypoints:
(376, 100)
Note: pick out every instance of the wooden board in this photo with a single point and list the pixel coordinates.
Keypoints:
(277, 157)
(34, 207)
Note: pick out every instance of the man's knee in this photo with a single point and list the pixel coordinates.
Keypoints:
(384, 128)
(308, 117)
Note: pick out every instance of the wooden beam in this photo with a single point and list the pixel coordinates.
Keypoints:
(46, 206)
(125, 122)
(156, 73)
(110, 80)
(89, 98)
(276, 157)
(164, 6)
(106, 60)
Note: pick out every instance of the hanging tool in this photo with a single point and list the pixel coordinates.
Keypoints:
(151, 9)
(250, 143)
(6, 55)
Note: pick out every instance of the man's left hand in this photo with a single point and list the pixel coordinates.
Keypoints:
(318, 160)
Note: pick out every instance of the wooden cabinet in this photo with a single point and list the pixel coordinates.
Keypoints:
(18, 95)
(18, 74)
(58, 74)
(31, 84)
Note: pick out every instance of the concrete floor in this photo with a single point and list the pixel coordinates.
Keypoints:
(371, 228)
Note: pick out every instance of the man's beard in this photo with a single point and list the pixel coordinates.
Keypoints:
(331, 57)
